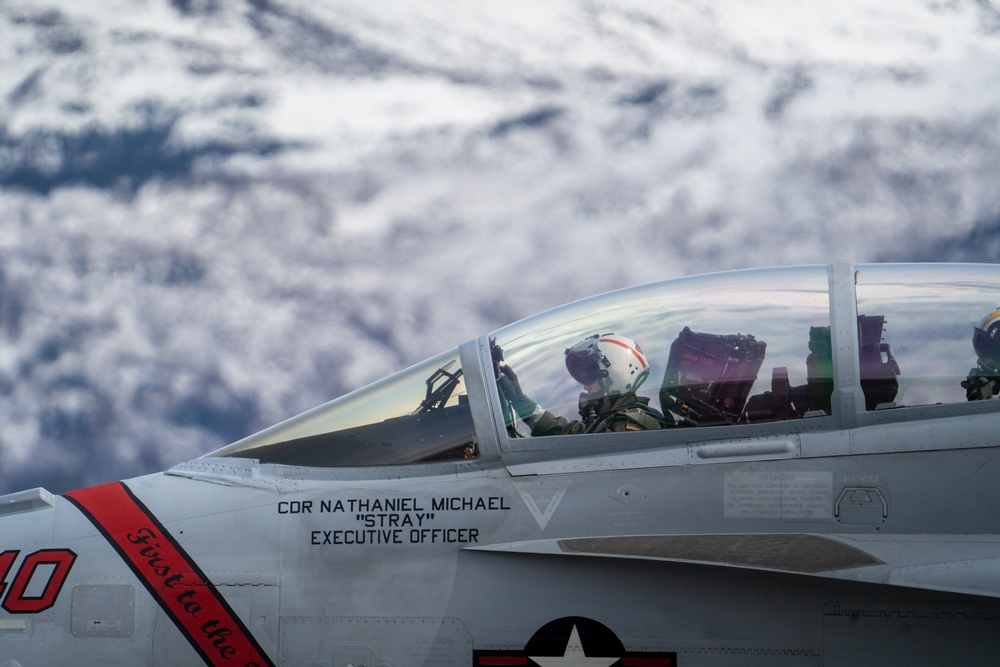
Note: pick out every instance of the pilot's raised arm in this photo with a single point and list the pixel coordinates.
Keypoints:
(611, 368)
(984, 380)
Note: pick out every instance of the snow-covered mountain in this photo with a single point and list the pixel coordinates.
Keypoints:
(215, 214)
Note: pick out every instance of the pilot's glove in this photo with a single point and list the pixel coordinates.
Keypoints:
(509, 383)
(978, 387)
(496, 352)
(511, 388)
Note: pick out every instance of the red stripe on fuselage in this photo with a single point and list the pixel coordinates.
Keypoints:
(171, 576)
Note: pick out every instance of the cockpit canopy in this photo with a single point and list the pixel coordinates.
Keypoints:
(706, 339)
(420, 415)
(728, 349)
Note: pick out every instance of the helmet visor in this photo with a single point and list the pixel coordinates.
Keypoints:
(583, 364)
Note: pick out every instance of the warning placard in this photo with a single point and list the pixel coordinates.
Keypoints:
(786, 496)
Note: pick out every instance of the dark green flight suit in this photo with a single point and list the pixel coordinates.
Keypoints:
(628, 413)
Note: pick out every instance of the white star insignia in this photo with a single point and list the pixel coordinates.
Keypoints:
(574, 656)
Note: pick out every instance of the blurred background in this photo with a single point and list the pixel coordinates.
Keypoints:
(215, 214)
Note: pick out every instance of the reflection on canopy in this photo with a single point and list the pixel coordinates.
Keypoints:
(775, 306)
(930, 312)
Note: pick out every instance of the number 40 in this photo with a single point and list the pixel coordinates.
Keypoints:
(46, 569)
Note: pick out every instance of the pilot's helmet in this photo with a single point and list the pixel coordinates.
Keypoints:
(617, 362)
(986, 337)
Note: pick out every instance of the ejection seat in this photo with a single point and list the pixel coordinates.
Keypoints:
(879, 371)
(709, 376)
(879, 368)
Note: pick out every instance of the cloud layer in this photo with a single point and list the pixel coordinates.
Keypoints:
(216, 215)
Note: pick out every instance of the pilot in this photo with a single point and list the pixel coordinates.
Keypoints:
(984, 380)
(611, 368)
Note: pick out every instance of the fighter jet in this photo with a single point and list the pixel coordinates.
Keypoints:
(789, 466)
